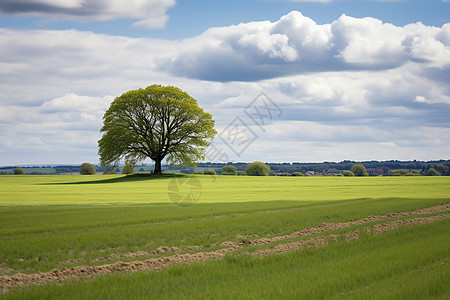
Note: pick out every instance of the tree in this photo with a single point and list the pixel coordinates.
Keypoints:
(87, 169)
(156, 122)
(128, 168)
(432, 172)
(348, 173)
(229, 170)
(441, 168)
(298, 174)
(359, 170)
(257, 168)
(209, 172)
(19, 171)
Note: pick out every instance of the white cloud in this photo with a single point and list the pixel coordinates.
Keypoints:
(152, 13)
(152, 23)
(296, 44)
(340, 98)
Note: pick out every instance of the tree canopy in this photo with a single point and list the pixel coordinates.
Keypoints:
(359, 170)
(87, 169)
(156, 122)
(229, 170)
(257, 168)
(18, 171)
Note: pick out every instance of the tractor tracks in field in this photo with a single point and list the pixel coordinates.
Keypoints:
(323, 238)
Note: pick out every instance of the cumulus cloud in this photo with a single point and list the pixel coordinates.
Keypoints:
(296, 44)
(152, 13)
(352, 84)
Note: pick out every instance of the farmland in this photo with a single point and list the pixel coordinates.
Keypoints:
(242, 237)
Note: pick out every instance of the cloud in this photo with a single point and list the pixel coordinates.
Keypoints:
(152, 23)
(340, 99)
(295, 44)
(152, 13)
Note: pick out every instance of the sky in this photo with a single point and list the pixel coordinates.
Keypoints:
(285, 80)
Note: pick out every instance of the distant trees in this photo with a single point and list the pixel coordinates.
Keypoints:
(359, 170)
(443, 169)
(209, 172)
(18, 171)
(257, 168)
(348, 173)
(87, 169)
(402, 172)
(298, 174)
(229, 170)
(431, 172)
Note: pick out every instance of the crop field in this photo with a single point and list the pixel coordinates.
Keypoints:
(224, 237)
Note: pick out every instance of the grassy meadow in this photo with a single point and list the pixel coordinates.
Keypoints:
(55, 222)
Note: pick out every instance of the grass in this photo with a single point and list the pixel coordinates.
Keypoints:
(409, 263)
(49, 222)
(119, 189)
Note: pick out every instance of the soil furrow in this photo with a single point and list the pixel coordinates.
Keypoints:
(8, 282)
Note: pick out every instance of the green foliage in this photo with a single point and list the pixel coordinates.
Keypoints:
(431, 172)
(229, 170)
(241, 173)
(128, 168)
(156, 122)
(87, 169)
(298, 174)
(402, 172)
(285, 174)
(347, 173)
(441, 168)
(257, 168)
(18, 171)
(198, 173)
(359, 170)
(209, 172)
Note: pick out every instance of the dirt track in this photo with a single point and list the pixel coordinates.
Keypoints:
(8, 282)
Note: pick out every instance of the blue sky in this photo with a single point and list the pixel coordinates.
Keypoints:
(347, 79)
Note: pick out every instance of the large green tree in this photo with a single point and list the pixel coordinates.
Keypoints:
(359, 170)
(157, 122)
(257, 168)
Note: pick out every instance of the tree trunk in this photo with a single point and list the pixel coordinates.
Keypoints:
(157, 167)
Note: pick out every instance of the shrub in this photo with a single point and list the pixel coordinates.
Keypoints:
(359, 170)
(285, 174)
(241, 173)
(399, 172)
(18, 171)
(348, 173)
(298, 174)
(209, 172)
(87, 169)
(432, 172)
(257, 168)
(229, 170)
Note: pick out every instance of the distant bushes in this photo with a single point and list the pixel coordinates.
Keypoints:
(431, 172)
(348, 173)
(229, 170)
(257, 168)
(359, 170)
(402, 172)
(298, 174)
(87, 169)
(19, 171)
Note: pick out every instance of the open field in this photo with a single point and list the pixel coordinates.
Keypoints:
(246, 237)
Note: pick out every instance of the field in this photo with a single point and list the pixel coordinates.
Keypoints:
(224, 237)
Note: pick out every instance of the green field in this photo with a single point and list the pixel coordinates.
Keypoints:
(61, 222)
